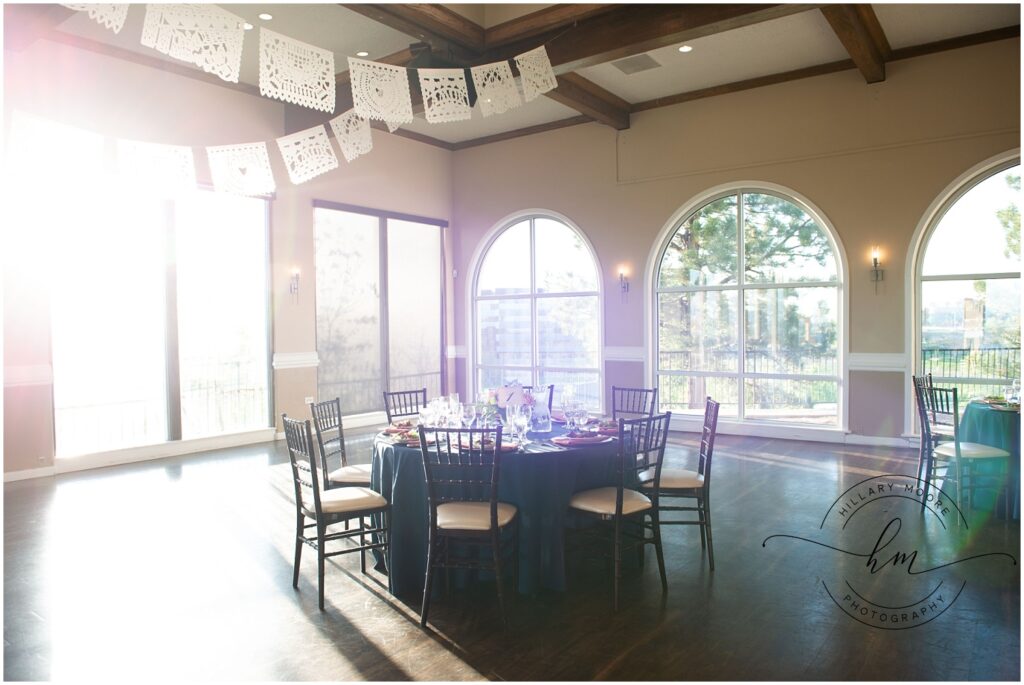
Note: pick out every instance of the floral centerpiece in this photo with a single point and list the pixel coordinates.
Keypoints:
(489, 413)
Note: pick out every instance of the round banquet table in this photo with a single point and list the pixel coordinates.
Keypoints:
(539, 483)
(983, 424)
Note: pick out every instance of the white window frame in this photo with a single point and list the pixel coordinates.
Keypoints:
(930, 220)
(753, 426)
(476, 262)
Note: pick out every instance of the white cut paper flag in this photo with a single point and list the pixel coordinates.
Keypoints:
(154, 167)
(204, 35)
(392, 126)
(538, 76)
(105, 14)
(496, 90)
(241, 169)
(380, 91)
(445, 96)
(307, 154)
(296, 72)
(353, 134)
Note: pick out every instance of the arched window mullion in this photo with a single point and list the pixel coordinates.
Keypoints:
(741, 307)
(967, 312)
(559, 304)
(797, 352)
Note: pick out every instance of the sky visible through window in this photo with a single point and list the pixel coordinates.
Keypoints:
(970, 238)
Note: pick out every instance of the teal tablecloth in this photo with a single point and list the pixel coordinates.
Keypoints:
(987, 426)
(540, 484)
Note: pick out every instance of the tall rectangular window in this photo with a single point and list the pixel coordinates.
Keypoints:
(158, 304)
(414, 306)
(378, 305)
(108, 325)
(221, 275)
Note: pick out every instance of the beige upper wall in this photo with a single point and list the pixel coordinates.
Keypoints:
(870, 157)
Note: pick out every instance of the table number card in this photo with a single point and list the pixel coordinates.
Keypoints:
(509, 394)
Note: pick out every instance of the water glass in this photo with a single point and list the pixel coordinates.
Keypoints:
(520, 416)
(573, 410)
(468, 414)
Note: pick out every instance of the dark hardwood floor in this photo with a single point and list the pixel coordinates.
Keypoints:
(181, 570)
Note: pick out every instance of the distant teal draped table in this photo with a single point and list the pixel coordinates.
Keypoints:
(539, 484)
(987, 426)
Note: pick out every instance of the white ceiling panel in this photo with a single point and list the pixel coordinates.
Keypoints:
(907, 25)
(540, 111)
(799, 40)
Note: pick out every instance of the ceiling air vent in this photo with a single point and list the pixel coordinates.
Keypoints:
(636, 63)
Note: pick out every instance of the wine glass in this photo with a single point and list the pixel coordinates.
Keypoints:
(468, 414)
(582, 418)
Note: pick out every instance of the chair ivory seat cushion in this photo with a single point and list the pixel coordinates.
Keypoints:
(673, 479)
(354, 473)
(970, 450)
(342, 500)
(472, 515)
(602, 501)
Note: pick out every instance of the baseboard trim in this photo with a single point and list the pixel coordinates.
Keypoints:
(783, 432)
(153, 452)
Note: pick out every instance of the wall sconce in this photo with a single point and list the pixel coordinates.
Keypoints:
(623, 282)
(293, 282)
(877, 274)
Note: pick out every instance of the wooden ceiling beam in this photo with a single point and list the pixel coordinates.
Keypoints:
(853, 32)
(632, 29)
(874, 27)
(448, 33)
(586, 97)
(541, 22)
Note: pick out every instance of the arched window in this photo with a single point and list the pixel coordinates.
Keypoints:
(748, 310)
(968, 287)
(537, 310)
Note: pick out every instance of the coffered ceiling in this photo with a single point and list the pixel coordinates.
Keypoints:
(593, 49)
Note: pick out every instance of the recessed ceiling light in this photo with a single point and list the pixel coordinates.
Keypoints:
(266, 17)
(362, 53)
(685, 48)
(247, 26)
